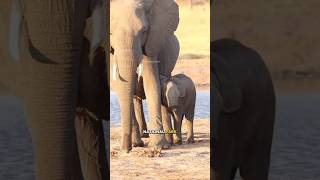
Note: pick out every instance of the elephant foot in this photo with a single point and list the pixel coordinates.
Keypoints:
(169, 138)
(190, 140)
(126, 145)
(136, 140)
(125, 151)
(162, 144)
(138, 143)
(177, 140)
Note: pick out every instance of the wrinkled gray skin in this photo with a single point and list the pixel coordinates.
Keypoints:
(54, 50)
(178, 102)
(244, 112)
(142, 29)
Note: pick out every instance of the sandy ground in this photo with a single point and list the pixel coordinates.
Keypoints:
(186, 161)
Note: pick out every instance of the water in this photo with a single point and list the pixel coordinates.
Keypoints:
(202, 109)
(296, 140)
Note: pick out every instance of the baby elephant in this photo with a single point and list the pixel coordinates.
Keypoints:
(179, 97)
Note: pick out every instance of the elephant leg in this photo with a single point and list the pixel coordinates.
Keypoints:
(225, 150)
(257, 158)
(138, 109)
(167, 125)
(91, 110)
(136, 139)
(177, 119)
(257, 163)
(189, 123)
(151, 85)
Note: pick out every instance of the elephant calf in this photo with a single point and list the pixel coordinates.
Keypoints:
(178, 100)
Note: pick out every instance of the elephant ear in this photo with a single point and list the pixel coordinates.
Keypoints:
(182, 91)
(230, 91)
(164, 20)
(172, 94)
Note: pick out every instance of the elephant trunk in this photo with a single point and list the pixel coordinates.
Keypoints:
(53, 42)
(125, 89)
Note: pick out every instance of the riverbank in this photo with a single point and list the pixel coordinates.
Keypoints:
(179, 162)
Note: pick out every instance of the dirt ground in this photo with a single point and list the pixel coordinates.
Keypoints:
(186, 161)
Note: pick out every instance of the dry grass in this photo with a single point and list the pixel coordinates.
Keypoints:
(194, 30)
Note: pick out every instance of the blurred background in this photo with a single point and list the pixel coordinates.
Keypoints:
(286, 34)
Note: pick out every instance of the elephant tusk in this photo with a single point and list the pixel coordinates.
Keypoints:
(15, 30)
(115, 72)
(99, 26)
(140, 70)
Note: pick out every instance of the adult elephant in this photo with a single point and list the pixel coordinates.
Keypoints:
(143, 29)
(56, 49)
(244, 111)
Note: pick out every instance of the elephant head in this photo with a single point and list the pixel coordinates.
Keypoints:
(139, 28)
(171, 92)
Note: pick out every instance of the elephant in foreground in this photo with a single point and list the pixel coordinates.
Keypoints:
(143, 29)
(58, 47)
(178, 98)
(243, 111)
